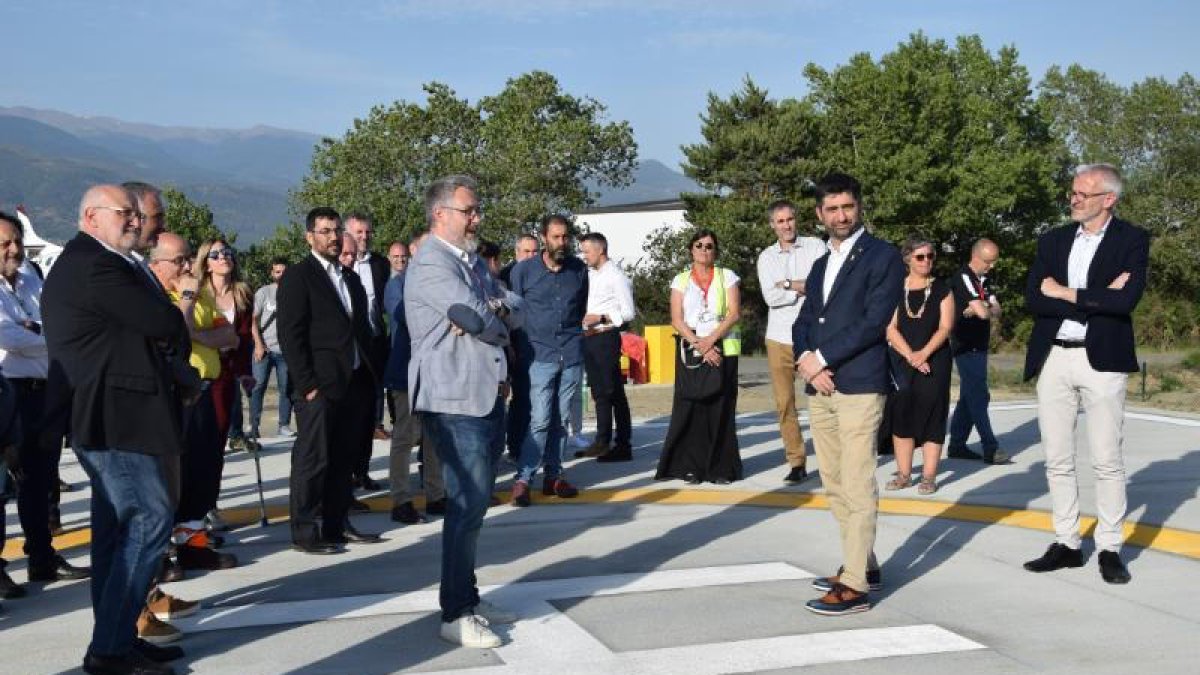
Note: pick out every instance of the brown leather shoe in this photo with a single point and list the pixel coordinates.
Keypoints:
(839, 600)
(381, 434)
(520, 494)
(154, 631)
(166, 607)
(558, 487)
(594, 450)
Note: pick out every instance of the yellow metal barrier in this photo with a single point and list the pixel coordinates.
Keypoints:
(660, 353)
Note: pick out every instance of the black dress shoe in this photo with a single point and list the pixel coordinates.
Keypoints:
(316, 547)
(436, 507)
(368, 484)
(691, 479)
(1056, 557)
(352, 536)
(617, 454)
(198, 558)
(155, 653)
(1112, 569)
(59, 570)
(407, 513)
(132, 663)
(9, 589)
(796, 475)
(596, 449)
(963, 453)
(721, 481)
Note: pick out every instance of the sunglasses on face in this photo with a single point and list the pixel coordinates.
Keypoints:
(703, 245)
(218, 253)
(922, 257)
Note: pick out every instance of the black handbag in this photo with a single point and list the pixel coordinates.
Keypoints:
(695, 380)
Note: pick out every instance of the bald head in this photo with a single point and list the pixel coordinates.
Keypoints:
(984, 255)
(170, 259)
(110, 214)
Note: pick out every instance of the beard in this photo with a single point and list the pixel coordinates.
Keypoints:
(558, 255)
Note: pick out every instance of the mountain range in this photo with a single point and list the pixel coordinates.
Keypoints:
(48, 158)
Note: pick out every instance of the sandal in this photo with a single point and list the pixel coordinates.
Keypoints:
(927, 486)
(899, 481)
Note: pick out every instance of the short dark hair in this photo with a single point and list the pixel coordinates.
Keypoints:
(321, 212)
(544, 227)
(779, 204)
(359, 215)
(488, 249)
(702, 233)
(280, 260)
(836, 184)
(12, 220)
(598, 238)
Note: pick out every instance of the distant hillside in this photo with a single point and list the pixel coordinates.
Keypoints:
(652, 181)
(48, 158)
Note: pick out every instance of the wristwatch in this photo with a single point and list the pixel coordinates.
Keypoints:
(787, 283)
(188, 295)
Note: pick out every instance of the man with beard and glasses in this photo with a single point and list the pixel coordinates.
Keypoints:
(554, 286)
(457, 382)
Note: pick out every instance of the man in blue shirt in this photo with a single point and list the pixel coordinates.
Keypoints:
(555, 288)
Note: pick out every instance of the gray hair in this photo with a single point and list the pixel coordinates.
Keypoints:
(914, 242)
(1110, 176)
(442, 190)
(140, 190)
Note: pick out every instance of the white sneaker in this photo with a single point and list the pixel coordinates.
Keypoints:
(580, 441)
(470, 630)
(494, 614)
(286, 431)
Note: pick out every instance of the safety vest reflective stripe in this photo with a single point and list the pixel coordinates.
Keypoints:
(732, 344)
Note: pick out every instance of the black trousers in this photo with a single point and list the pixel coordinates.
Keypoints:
(328, 434)
(201, 464)
(38, 468)
(602, 359)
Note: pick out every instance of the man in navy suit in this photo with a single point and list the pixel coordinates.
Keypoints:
(840, 348)
(1082, 289)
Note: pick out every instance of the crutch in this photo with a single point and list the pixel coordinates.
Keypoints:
(262, 502)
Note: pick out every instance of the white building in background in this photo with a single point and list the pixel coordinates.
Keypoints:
(40, 251)
(627, 225)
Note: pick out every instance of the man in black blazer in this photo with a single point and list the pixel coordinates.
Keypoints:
(1082, 289)
(325, 337)
(841, 351)
(374, 271)
(111, 335)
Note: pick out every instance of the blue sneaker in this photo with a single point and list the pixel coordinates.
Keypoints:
(838, 601)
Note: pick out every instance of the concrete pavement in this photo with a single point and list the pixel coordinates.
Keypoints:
(638, 576)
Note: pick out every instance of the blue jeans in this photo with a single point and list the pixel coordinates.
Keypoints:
(469, 448)
(131, 523)
(262, 371)
(973, 398)
(551, 388)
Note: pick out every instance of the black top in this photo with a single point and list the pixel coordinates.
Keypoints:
(970, 334)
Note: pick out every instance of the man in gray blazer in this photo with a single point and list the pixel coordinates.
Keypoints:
(459, 320)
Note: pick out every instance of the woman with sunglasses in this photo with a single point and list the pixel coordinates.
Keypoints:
(217, 270)
(919, 337)
(701, 443)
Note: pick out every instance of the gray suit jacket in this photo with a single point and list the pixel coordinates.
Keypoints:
(448, 373)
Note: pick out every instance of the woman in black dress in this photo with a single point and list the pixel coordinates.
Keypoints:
(701, 443)
(918, 335)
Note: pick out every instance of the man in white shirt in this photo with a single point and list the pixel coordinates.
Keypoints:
(782, 269)
(25, 361)
(374, 270)
(609, 307)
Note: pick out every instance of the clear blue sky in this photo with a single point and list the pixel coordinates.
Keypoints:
(315, 66)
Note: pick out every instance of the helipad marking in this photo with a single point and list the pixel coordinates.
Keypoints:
(545, 640)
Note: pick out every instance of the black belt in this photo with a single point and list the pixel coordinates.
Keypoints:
(1070, 344)
(28, 383)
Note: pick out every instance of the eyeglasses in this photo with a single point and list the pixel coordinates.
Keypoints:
(179, 260)
(922, 257)
(326, 231)
(477, 210)
(1085, 195)
(127, 214)
(218, 253)
(704, 245)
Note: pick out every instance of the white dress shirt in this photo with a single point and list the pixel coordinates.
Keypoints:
(22, 351)
(362, 267)
(837, 258)
(775, 265)
(1083, 250)
(334, 270)
(610, 294)
(699, 308)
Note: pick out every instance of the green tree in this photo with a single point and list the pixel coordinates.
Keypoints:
(531, 147)
(190, 220)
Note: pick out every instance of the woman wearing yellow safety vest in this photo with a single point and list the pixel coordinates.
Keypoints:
(701, 443)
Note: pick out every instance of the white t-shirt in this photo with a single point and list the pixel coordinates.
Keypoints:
(699, 313)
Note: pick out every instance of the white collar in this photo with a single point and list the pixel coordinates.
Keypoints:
(847, 245)
(1081, 232)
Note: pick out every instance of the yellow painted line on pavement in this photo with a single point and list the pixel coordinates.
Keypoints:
(1159, 538)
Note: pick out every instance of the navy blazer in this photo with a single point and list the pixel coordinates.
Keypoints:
(849, 327)
(1107, 312)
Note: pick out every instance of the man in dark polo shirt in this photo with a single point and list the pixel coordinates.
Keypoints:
(977, 306)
